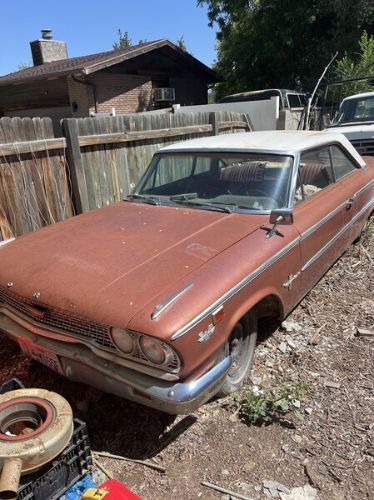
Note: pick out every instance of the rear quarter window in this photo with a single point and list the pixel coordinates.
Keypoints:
(342, 164)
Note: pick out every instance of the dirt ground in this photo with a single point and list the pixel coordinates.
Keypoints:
(331, 449)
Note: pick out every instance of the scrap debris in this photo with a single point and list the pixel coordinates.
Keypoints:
(147, 463)
(224, 490)
(364, 332)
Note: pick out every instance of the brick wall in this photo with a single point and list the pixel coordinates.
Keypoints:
(125, 93)
(128, 93)
(81, 98)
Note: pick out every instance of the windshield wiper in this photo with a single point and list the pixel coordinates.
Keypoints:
(234, 205)
(204, 206)
(143, 199)
(183, 196)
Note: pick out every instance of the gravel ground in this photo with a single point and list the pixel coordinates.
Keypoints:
(330, 451)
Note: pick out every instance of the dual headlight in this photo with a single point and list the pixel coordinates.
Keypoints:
(140, 346)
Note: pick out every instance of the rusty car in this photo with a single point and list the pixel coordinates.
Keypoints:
(157, 298)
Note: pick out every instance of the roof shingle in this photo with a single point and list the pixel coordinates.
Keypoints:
(86, 64)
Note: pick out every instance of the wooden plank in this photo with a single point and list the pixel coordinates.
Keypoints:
(50, 176)
(14, 178)
(101, 161)
(232, 124)
(17, 148)
(90, 140)
(78, 181)
(24, 131)
(213, 119)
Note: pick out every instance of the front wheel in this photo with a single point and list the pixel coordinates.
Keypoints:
(241, 346)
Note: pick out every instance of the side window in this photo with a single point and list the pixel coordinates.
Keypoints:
(202, 165)
(315, 173)
(294, 101)
(341, 163)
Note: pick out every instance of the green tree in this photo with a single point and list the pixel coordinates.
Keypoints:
(181, 43)
(124, 41)
(24, 65)
(282, 44)
(361, 66)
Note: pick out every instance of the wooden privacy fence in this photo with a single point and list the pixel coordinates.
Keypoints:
(97, 162)
(107, 155)
(34, 189)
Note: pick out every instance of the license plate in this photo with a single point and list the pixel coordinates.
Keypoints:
(45, 357)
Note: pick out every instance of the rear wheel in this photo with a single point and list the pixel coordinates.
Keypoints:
(241, 346)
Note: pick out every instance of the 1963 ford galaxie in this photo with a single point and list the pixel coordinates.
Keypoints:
(156, 298)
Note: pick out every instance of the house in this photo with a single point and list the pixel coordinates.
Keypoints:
(143, 77)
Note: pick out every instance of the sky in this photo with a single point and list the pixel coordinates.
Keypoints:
(90, 26)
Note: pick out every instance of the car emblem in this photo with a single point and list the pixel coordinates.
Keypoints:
(206, 334)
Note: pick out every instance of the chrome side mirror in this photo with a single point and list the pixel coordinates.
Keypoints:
(279, 216)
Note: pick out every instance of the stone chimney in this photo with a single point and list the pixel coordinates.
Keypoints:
(47, 50)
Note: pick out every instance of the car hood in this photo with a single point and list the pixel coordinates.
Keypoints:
(107, 264)
(352, 132)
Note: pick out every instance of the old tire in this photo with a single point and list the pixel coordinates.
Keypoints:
(35, 426)
(241, 346)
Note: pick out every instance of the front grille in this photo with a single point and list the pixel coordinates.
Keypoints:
(365, 147)
(83, 328)
(43, 314)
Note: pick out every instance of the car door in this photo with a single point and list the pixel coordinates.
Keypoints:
(319, 213)
(352, 180)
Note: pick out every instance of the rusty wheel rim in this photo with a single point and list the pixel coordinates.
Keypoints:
(240, 347)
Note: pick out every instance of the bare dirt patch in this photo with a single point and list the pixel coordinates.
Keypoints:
(331, 449)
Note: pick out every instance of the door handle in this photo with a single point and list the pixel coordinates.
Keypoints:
(350, 202)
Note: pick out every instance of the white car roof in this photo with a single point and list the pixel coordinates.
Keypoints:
(279, 141)
(359, 96)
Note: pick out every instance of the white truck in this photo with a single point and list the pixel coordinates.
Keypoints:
(355, 119)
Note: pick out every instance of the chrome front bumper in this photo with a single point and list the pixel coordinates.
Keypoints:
(80, 364)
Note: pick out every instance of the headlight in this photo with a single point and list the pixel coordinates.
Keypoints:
(145, 350)
(154, 351)
(123, 340)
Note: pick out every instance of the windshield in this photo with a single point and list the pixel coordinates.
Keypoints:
(355, 110)
(234, 182)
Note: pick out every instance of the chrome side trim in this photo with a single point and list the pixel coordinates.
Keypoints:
(160, 308)
(234, 290)
(364, 188)
(336, 237)
(5, 242)
(293, 181)
(321, 222)
(327, 217)
(228, 295)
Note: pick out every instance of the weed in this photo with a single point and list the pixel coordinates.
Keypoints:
(367, 232)
(263, 407)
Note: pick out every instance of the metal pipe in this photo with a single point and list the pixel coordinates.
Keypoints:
(310, 100)
(10, 477)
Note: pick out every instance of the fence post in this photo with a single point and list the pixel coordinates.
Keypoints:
(214, 122)
(75, 165)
